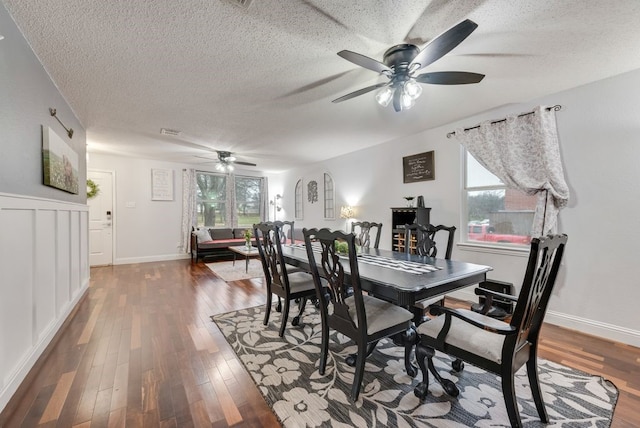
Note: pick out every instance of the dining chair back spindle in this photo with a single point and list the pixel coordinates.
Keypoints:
(361, 317)
(362, 230)
(279, 281)
(424, 237)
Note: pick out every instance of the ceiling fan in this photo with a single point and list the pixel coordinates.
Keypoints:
(226, 161)
(402, 62)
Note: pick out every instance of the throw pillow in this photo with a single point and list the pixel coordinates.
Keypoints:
(202, 235)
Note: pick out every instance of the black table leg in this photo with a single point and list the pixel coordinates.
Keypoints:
(408, 339)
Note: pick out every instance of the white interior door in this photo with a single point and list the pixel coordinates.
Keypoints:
(101, 219)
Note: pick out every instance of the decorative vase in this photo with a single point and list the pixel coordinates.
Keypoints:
(248, 244)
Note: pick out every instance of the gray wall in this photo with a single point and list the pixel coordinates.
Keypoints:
(44, 266)
(26, 94)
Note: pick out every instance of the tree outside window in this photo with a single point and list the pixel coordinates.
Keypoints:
(248, 200)
(211, 197)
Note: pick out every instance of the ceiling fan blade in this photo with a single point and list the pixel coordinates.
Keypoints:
(360, 92)
(206, 158)
(445, 42)
(364, 61)
(315, 84)
(449, 78)
(244, 163)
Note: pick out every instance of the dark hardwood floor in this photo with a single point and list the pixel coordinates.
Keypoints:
(141, 350)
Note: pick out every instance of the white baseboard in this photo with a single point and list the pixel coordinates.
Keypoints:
(594, 328)
(583, 325)
(147, 259)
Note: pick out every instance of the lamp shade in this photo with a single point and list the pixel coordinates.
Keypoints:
(347, 212)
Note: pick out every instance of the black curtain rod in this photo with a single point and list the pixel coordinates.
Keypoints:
(556, 107)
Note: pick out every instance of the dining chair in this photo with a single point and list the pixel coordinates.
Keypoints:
(425, 245)
(496, 346)
(425, 236)
(363, 318)
(286, 231)
(362, 230)
(285, 285)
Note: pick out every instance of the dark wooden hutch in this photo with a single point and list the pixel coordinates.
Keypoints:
(402, 216)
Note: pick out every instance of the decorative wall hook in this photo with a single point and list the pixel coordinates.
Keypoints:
(69, 130)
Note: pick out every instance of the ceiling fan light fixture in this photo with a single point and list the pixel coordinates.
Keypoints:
(384, 96)
(412, 89)
(401, 62)
(407, 101)
(224, 167)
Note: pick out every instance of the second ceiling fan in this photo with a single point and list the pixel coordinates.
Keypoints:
(402, 62)
(226, 161)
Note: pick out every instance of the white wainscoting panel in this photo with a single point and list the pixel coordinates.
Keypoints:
(44, 271)
(44, 288)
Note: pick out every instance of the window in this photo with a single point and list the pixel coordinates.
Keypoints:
(212, 199)
(248, 200)
(298, 200)
(329, 204)
(495, 213)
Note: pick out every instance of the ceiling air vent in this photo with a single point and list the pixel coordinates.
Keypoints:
(242, 3)
(172, 132)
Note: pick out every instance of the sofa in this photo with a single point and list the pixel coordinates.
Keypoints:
(214, 242)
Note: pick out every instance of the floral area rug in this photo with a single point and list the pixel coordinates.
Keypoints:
(286, 372)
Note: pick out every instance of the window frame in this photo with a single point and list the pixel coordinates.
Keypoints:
(298, 202)
(328, 197)
(233, 221)
(465, 243)
(259, 181)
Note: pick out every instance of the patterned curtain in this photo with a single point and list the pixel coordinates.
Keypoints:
(523, 151)
(231, 210)
(188, 206)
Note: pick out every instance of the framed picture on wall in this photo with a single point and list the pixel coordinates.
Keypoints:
(59, 162)
(420, 167)
(161, 184)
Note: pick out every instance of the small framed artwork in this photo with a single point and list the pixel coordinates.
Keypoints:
(420, 167)
(161, 184)
(312, 191)
(59, 162)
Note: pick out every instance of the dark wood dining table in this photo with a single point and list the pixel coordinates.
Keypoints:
(403, 287)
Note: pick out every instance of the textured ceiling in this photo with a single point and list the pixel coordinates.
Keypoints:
(259, 81)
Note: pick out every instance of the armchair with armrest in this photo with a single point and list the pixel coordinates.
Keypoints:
(496, 346)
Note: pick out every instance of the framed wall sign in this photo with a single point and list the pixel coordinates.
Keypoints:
(161, 184)
(420, 167)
